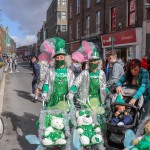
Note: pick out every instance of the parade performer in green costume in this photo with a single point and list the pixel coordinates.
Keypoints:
(59, 79)
(90, 85)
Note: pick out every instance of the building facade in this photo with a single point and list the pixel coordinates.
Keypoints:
(123, 26)
(26, 51)
(146, 29)
(57, 19)
(84, 22)
(42, 35)
(7, 44)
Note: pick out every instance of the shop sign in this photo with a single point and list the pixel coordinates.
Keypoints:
(124, 37)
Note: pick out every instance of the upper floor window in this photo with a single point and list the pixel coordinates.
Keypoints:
(131, 12)
(87, 25)
(70, 11)
(58, 28)
(88, 3)
(64, 2)
(70, 31)
(59, 2)
(97, 1)
(78, 29)
(113, 18)
(58, 14)
(97, 21)
(63, 14)
(63, 28)
(78, 6)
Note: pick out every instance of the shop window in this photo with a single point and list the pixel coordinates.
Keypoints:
(131, 12)
(78, 30)
(113, 18)
(87, 25)
(97, 21)
(78, 6)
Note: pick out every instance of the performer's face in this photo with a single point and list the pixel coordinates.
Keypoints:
(60, 57)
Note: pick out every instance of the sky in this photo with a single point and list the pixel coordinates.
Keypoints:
(24, 19)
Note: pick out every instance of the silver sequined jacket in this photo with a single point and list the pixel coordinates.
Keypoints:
(82, 83)
(50, 77)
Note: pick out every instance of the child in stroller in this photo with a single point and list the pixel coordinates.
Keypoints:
(115, 133)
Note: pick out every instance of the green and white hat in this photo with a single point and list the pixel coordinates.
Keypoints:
(54, 46)
(95, 55)
(59, 46)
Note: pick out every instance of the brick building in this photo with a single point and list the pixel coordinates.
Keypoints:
(84, 22)
(146, 28)
(123, 26)
(7, 44)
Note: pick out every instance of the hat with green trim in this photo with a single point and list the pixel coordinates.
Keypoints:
(60, 46)
(95, 55)
(54, 46)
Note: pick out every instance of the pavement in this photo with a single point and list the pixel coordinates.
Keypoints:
(18, 112)
(2, 87)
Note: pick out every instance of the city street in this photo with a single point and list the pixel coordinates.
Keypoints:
(18, 112)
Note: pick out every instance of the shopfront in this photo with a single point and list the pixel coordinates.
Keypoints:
(127, 43)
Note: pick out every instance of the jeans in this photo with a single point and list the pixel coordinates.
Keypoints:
(34, 82)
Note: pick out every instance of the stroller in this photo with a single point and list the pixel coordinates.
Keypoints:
(115, 134)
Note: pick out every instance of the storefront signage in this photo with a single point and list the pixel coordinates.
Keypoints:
(124, 37)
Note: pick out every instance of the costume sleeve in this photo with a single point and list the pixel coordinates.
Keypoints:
(141, 90)
(74, 88)
(46, 83)
(121, 81)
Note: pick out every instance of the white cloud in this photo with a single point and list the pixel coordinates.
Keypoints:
(30, 14)
(28, 40)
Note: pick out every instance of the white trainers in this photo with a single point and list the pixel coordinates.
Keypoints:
(32, 95)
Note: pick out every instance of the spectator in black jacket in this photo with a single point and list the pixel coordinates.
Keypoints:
(36, 73)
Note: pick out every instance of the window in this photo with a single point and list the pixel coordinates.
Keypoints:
(88, 3)
(70, 30)
(131, 12)
(59, 2)
(58, 14)
(78, 6)
(58, 28)
(97, 1)
(70, 11)
(78, 30)
(87, 25)
(63, 2)
(113, 19)
(63, 28)
(63, 14)
(97, 21)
